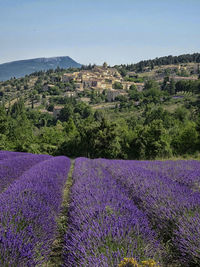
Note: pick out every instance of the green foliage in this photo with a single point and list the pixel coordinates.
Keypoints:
(135, 95)
(183, 73)
(139, 127)
(151, 141)
(167, 60)
(65, 113)
(133, 87)
(152, 95)
(18, 109)
(158, 144)
(50, 107)
(158, 113)
(181, 113)
(136, 80)
(151, 84)
(117, 85)
(54, 90)
(188, 86)
(186, 140)
(3, 120)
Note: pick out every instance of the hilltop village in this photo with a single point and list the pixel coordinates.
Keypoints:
(100, 79)
(100, 86)
(109, 81)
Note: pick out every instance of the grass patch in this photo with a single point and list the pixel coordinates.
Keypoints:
(55, 259)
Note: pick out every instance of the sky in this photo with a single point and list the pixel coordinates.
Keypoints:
(97, 31)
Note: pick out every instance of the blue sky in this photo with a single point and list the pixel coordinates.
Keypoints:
(94, 31)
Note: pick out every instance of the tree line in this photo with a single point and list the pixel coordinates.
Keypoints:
(166, 60)
(79, 131)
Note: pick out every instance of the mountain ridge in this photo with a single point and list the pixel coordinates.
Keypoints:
(20, 68)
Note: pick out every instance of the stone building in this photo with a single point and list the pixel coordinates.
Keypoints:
(68, 77)
(112, 94)
(79, 86)
(127, 85)
(97, 78)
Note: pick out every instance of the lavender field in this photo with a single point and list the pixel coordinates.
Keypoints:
(120, 212)
(144, 211)
(31, 195)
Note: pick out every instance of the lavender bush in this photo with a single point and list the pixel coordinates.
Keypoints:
(13, 167)
(120, 211)
(12, 154)
(28, 210)
(104, 224)
(187, 239)
(186, 172)
(171, 205)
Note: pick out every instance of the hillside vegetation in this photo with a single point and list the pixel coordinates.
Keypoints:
(156, 116)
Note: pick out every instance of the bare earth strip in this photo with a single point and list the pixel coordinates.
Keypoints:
(56, 254)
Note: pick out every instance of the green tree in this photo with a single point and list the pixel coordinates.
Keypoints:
(66, 113)
(106, 141)
(117, 85)
(20, 133)
(185, 140)
(151, 84)
(51, 138)
(158, 143)
(172, 87)
(135, 95)
(152, 95)
(158, 113)
(18, 108)
(181, 113)
(151, 141)
(133, 87)
(3, 120)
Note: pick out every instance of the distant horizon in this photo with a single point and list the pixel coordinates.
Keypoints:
(100, 64)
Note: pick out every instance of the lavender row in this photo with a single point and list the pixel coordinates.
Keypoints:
(13, 168)
(187, 239)
(11, 154)
(170, 206)
(28, 210)
(150, 188)
(104, 225)
(185, 172)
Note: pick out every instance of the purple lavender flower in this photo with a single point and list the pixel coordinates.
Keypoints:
(169, 202)
(104, 224)
(12, 168)
(12, 154)
(28, 210)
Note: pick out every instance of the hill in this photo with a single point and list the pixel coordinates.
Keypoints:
(24, 67)
(166, 60)
(102, 111)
